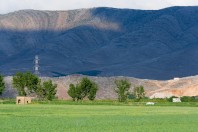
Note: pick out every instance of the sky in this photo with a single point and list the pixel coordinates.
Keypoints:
(7, 6)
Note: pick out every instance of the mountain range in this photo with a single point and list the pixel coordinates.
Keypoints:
(150, 44)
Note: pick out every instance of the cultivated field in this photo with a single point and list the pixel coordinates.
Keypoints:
(48, 117)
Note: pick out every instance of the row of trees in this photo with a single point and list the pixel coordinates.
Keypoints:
(88, 88)
(28, 83)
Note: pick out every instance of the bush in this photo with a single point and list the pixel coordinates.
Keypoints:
(188, 99)
(131, 96)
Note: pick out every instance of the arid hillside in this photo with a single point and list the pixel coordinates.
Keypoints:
(154, 89)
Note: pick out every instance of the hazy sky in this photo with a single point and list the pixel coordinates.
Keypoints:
(13, 5)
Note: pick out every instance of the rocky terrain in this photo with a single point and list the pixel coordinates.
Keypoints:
(154, 89)
(156, 44)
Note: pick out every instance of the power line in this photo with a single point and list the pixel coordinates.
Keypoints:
(36, 65)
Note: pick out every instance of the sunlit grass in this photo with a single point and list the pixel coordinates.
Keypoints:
(97, 118)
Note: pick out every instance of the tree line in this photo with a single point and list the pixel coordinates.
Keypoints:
(29, 84)
(88, 88)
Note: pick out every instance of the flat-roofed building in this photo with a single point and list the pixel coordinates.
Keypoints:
(23, 100)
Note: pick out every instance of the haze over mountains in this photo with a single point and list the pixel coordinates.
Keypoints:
(157, 44)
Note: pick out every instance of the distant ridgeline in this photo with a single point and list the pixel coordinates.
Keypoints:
(155, 44)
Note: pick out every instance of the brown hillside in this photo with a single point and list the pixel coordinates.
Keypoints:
(159, 89)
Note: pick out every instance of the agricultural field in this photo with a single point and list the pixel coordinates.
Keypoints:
(89, 118)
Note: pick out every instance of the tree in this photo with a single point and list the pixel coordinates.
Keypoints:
(19, 83)
(92, 92)
(40, 92)
(72, 91)
(50, 89)
(139, 92)
(86, 88)
(46, 90)
(25, 83)
(31, 81)
(122, 89)
(2, 85)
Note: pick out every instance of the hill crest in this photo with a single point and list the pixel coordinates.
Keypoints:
(152, 44)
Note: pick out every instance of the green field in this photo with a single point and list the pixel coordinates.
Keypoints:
(46, 117)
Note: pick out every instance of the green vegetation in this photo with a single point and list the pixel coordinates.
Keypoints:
(25, 83)
(189, 99)
(2, 85)
(50, 90)
(28, 83)
(122, 89)
(97, 118)
(72, 91)
(139, 92)
(86, 88)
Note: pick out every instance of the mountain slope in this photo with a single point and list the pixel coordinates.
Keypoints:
(158, 44)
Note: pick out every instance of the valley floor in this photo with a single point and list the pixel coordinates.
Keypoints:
(49, 117)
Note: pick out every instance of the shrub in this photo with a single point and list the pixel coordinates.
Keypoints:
(188, 99)
(131, 96)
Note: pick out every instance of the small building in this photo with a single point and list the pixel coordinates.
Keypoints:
(176, 100)
(176, 79)
(23, 100)
(150, 103)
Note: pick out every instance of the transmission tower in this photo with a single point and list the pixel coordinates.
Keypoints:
(36, 65)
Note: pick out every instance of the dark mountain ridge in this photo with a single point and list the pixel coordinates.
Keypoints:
(152, 44)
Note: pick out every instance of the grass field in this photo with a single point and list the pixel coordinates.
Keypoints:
(47, 117)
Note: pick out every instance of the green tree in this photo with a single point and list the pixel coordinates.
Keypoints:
(86, 88)
(139, 92)
(122, 88)
(2, 85)
(25, 83)
(40, 92)
(50, 89)
(19, 83)
(92, 92)
(72, 91)
(31, 81)
(79, 92)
